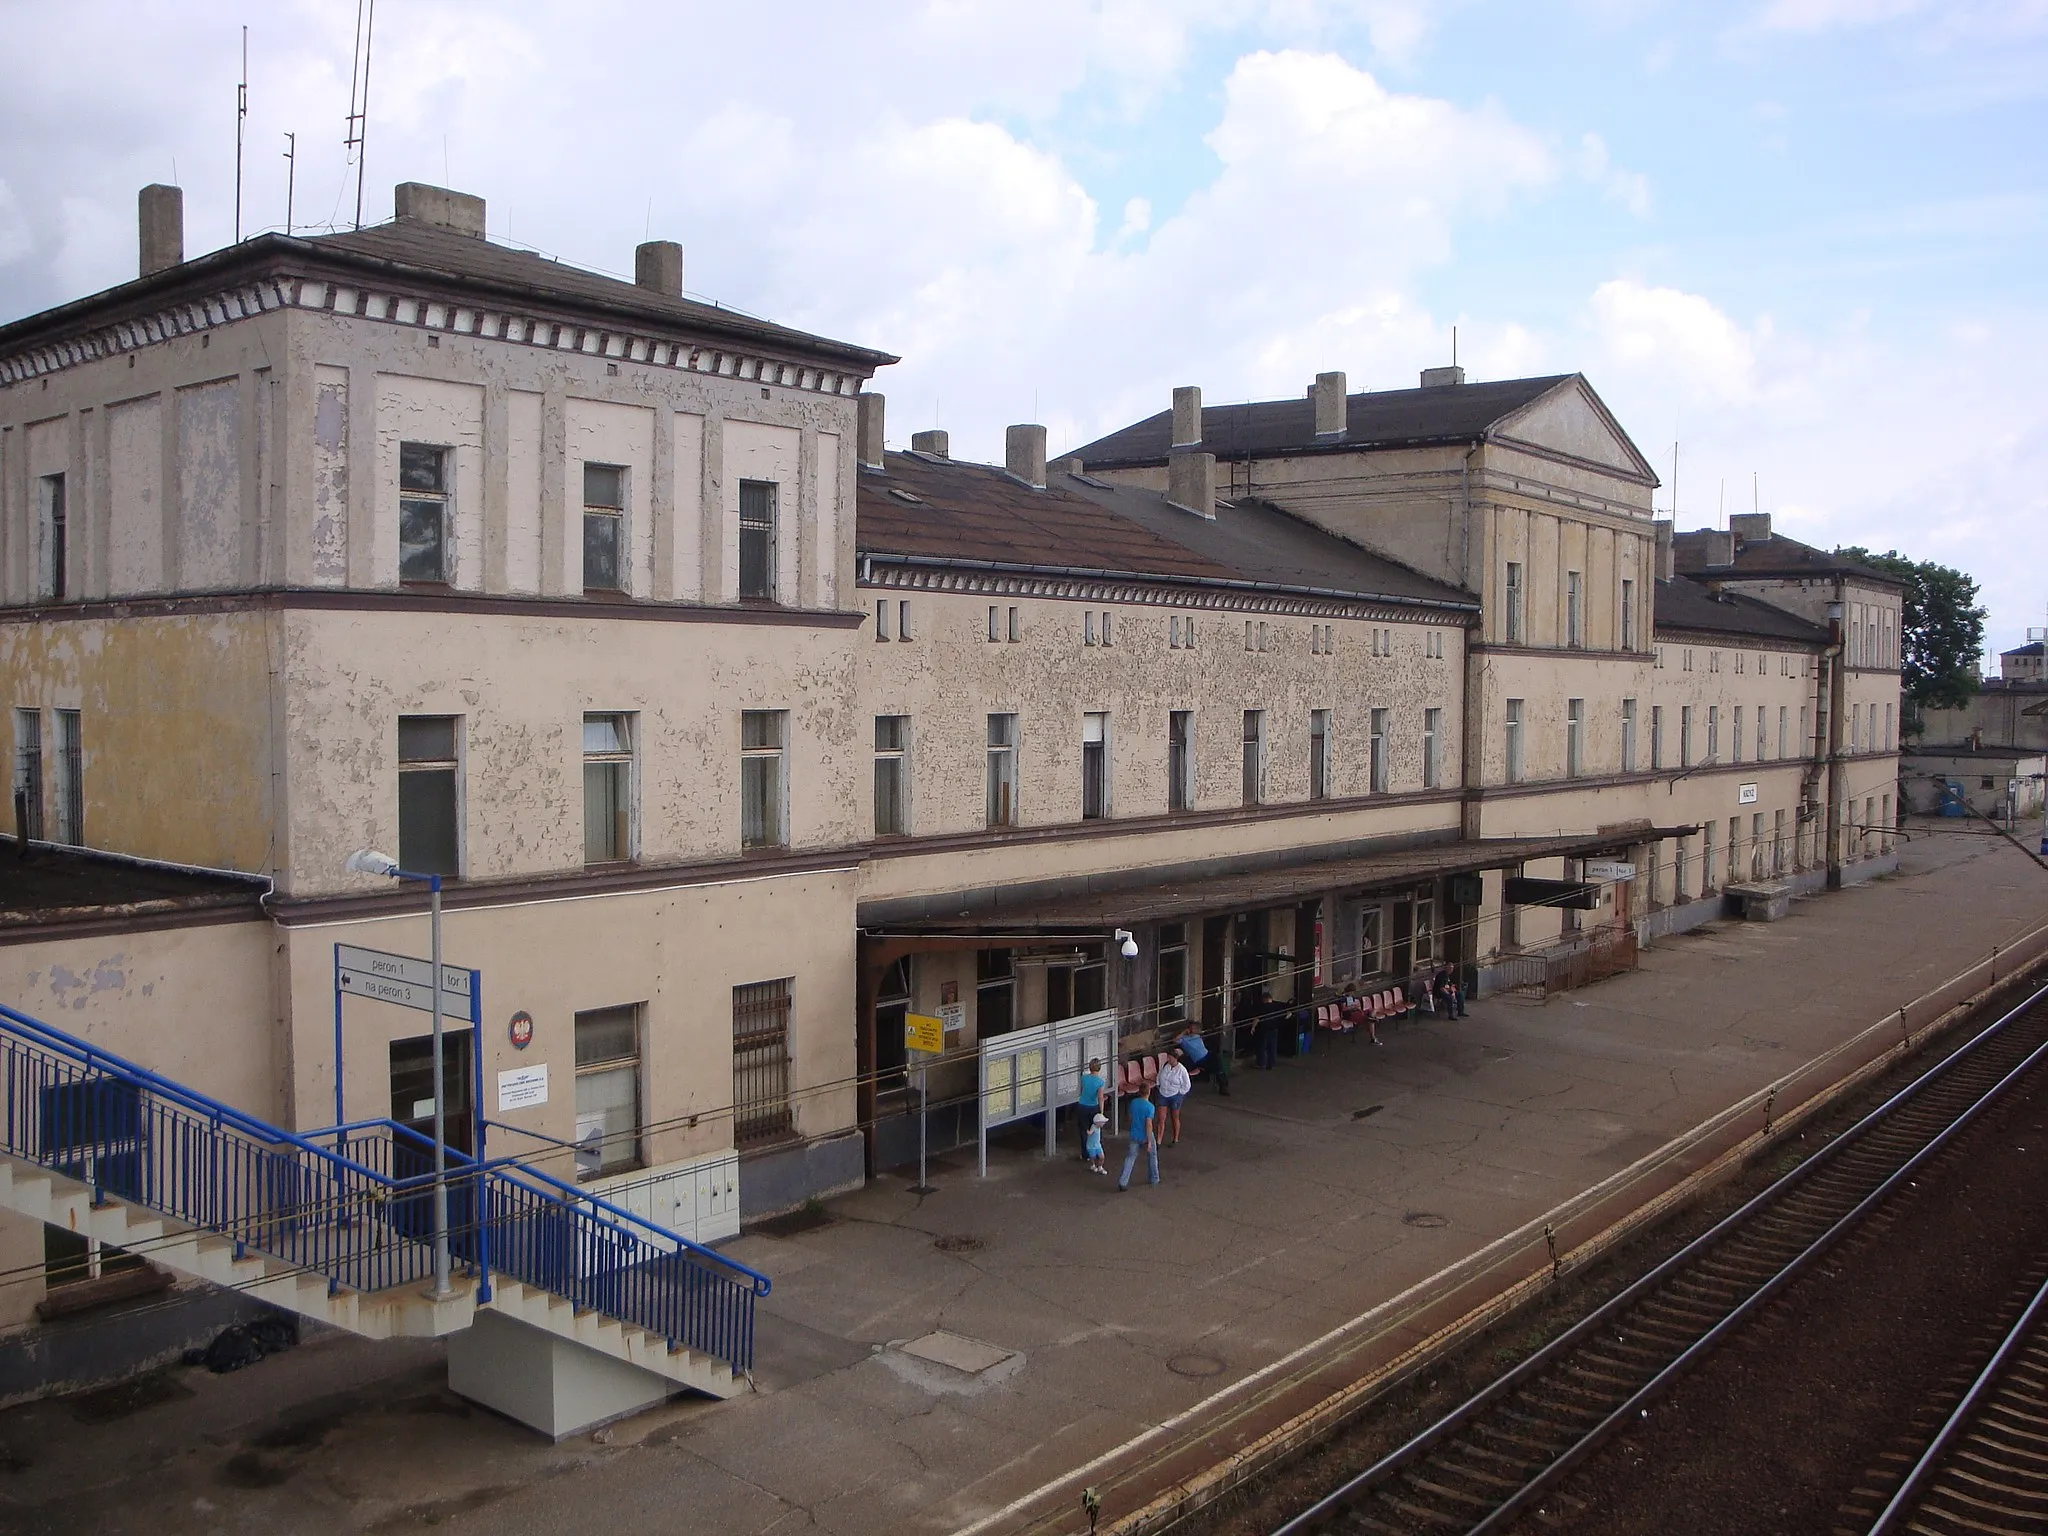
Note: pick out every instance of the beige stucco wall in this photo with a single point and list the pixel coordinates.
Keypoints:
(949, 677)
(677, 953)
(521, 686)
(175, 725)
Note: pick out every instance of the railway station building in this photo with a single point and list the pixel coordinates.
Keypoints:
(739, 735)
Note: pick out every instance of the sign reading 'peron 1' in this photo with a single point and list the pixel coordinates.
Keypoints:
(401, 979)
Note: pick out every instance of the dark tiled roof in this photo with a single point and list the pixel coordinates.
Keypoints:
(976, 513)
(2031, 648)
(1776, 558)
(1685, 604)
(54, 883)
(407, 247)
(1391, 418)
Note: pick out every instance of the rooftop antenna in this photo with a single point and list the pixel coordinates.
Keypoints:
(1674, 484)
(1756, 499)
(359, 95)
(1454, 346)
(241, 114)
(1721, 504)
(291, 176)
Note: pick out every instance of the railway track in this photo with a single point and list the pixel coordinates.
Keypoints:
(1491, 1460)
(1986, 1469)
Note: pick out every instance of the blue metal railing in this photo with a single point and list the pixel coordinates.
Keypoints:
(351, 1203)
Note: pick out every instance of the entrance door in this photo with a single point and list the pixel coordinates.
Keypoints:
(1404, 939)
(1215, 978)
(412, 1106)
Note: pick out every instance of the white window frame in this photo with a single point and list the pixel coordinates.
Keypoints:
(771, 758)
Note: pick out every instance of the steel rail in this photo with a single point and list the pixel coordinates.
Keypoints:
(1988, 1382)
(1383, 1472)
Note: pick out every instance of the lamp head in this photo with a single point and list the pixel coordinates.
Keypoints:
(368, 861)
(1127, 944)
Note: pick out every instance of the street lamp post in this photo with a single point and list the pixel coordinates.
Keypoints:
(367, 861)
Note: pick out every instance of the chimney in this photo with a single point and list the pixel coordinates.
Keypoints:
(1329, 397)
(456, 212)
(1072, 466)
(871, 407)
(1191, 481)
(1749, 527)
(659, 265)
(160, 222)
(1024, 454)
(1442, 378)
(1720, 546)
(1187, 415)
(1667, 552)
(936, 443)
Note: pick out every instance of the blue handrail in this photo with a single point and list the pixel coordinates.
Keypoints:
(119, 1127)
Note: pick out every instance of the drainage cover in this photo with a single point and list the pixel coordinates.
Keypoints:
(1195, 1365)
(1368, 1112)
(1426, 1219)
(957, 1244)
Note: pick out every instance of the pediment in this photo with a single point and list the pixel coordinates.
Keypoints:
(1573, 422)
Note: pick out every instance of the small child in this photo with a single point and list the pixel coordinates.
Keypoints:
(1092, 1148)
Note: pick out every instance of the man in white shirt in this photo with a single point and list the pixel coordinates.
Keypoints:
(1174, 1086)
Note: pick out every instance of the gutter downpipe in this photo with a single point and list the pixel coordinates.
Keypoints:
(1838, 767)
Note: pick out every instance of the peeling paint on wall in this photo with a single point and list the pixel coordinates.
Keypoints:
(330, 474)
(209, 548)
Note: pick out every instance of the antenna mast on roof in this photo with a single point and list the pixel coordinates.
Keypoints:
(291, 176)
(1674, 484)
(1454, 346)
(359, 95)
(1756, 495)
(241, 114)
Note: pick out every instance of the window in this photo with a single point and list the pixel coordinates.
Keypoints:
(1735, 739)
(1713, 732)
(1371, 955)
(607, 1091)
(1002, 770)
(760, 1061)
(1514, 741)
(425, 541)
(70, 785)
(1088, 627)
(1514, 602)
(28, 772)
(1574, 609)
(1762, 736)
(1756, 846)
(1094, 765)
(1376, 762)
(1806, 746)
(607, 788)
(1678, 891)
(1685, 736)
(1628, 735)
(1784, 731)
(1432, 733)
(1319, 754)
(1628, 615)
(604, 528)
(56, 554)
(429, 795)
(764, 819)
(1856, 728)
(757, 539)
(1172, 993)
(892, 775)
(1016, 627)
(1777, 843)
(995, 992)
(1180, 760)
(1735, 847)
(903, 620)
(1889, 740)
(882, 620)
(1706, 858)
(1254, 756)
(995, 632)
(1656, 736)
(1574, 737)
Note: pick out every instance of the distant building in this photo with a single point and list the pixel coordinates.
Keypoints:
(1985, 780)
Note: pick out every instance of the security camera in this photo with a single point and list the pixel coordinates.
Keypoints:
(1127, 944)
(368, 861)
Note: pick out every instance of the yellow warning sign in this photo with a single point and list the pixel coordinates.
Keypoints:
(923, 1032)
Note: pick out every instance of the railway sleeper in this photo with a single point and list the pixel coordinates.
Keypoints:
(2029, 1487)
(1463, 1498)
(1434, 1519)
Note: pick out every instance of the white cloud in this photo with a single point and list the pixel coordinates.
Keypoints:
(1631, 189)
(15, 239)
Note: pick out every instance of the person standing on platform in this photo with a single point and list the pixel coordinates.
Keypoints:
(1174, 1087)
(1142, 1113)
(1266, 1032)
(1090, 1102)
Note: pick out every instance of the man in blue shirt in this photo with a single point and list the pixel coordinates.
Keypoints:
(1141, 1112)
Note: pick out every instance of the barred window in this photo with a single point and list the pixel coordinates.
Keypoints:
(28, 771)
(70, 782)
(760, 1061)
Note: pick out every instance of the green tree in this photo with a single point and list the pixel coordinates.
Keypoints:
(1942, 628)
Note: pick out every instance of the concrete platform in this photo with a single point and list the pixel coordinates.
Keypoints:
(1311, 1196)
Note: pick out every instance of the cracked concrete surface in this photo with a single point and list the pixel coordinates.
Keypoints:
(1281, 1215)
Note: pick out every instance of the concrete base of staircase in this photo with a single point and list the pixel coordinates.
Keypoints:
(547, 1383)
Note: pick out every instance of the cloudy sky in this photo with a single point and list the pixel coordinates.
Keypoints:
(1804, 240)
